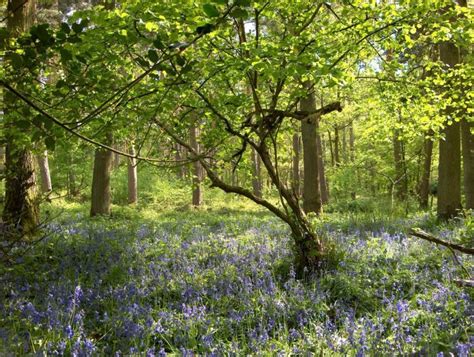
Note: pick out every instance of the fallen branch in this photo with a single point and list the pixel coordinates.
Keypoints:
(464, 283)
(426, 236)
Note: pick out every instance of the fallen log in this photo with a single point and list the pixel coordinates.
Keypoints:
(426, 236)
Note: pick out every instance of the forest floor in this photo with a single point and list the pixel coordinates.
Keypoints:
(220, 282)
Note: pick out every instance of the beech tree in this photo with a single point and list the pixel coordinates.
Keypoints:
(20, 210)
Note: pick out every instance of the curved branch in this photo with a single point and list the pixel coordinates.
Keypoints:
(69, 130)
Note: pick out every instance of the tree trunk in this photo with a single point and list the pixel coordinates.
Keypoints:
(331, 151)
(311, 189)
(467, 139)
(424, 185)
(400, 181)
(321, 171)
(100, 198)
(116, 158)
(2, 160)
(132, 177)
(337, 160)
(20, 209)
(468, 162)
(295, 177)
(43, 164)
(179, 157)
(449, 169)
(256, 174)
(344, 145)
(352, 153)
(197, 168)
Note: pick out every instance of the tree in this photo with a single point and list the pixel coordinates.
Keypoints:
(449, 168)
(100, 193)
(132, 176)
(43, 164)
(311, 187)
(197, 166)
(21, 209)
(424, 184)
(295, 176)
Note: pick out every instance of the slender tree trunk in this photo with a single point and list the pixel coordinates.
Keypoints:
(197, 168)
(43, 164)
(449, 169)
(424, 185)
(20, 209)
(116, 158)
(311, 187)
(256, 174)
(296, 181)
(352, 153)
(100, 198)
(2, 160)
(400, 181)
(331, 150)
(132, 177)
(321, 171)
(337, 160)
(344, 145)
(180, 156)
(468, 162)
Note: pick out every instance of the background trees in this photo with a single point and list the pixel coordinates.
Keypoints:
(225, 88)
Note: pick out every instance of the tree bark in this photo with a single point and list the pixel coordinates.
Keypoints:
(468, 162)
(449, 169)
(424, 185)
(132, 177)
(197, 168)
(20, 210)
(100, 197)
(331, 151)
(311, 187)
(116, 158)
(43, 164)
(321, 167)
(256, 174)
(296, 181)
(179, 157)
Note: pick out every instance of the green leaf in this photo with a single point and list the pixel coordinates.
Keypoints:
(65, 27)
(50, 143)
(180, 60)
(158, 44)
(16, 60)
(22, 124)
(41, 32)
(151, 26)
(239, 13)
(153, 55)
(210, 10)
(79, 27)
(66, 55)
(202, 30)
(243, 3)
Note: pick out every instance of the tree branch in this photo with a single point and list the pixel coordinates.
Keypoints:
(426, 236)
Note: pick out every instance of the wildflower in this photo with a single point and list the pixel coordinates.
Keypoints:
(69, 332)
